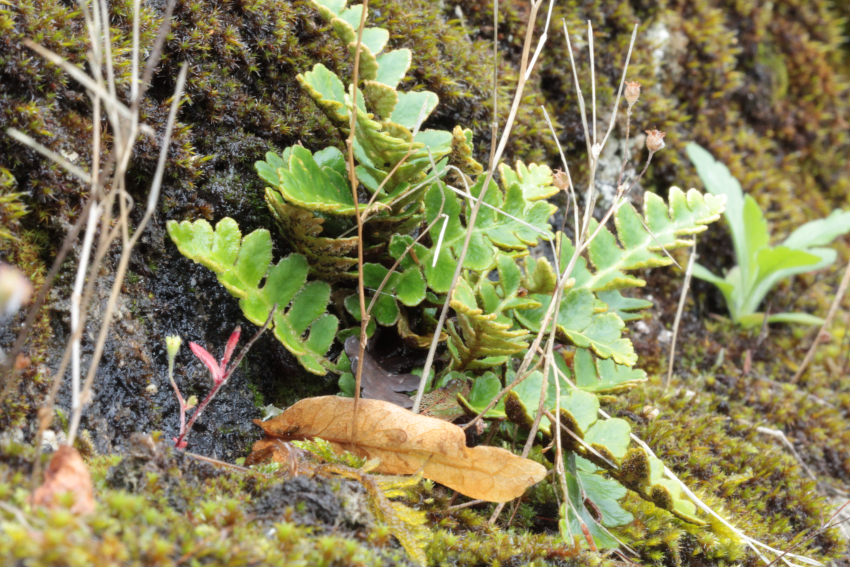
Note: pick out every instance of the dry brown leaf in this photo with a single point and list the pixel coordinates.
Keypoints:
(270, 450)
(377, 383)
(406, 443)
(67, 472)
(442, 402)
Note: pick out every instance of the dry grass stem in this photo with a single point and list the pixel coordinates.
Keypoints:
(823, 331)
(494, 159)
(679, 310)
(352, 176)
(457, 507)
(153, 198)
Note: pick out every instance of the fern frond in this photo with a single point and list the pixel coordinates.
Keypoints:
(493, 233)
(482, 338)
(240, 264)
(605, 443)
(592, 312)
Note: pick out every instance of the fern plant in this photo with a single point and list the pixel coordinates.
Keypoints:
(241, 263)
(760, 265)
(502, 295)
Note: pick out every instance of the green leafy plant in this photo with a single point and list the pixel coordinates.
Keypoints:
(760, 265)
(415, 221)
(241, 263)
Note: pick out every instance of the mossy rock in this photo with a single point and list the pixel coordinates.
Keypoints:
(245, 101)
(773, 113)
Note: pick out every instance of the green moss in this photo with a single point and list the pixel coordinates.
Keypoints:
(29, 384)
(155, 508)
(765, 87)
(507, 548)
(259, 400)
(743, 475)
(11, 207)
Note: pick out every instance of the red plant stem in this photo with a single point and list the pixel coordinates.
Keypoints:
(182, 438)
(218, 384)
(182, 409)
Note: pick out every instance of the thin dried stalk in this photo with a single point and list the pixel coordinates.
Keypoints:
(581, 242)
(368, 208)
(50, 154)
(153, 197)
(398, 261)
(393, 268)
(457, 507)
(494, 158)
(8, 373)
(679, 310)
(352, 177)
(572, 191)
(76, 296)
(117, 155)
(822, 333)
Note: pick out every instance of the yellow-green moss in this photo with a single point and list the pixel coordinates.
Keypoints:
(24, 252)
(746, 477)
(763, 86)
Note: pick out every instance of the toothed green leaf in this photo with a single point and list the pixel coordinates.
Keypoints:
(612, 435)
(604, 376)
(539, 276)
(687, 214)
(241, 263)
(484, 389)
(411, 104)
(625, 307)
(493, 232)
(581, 325)
(327, 90)
(534, 180)
(392, 66)
(580, 408)
(380, 98)
(479, 340)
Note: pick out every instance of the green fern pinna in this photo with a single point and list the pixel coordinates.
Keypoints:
(412, 177)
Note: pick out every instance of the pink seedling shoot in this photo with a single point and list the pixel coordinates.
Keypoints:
(220, 373)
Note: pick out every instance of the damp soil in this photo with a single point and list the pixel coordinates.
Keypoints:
(167, 294)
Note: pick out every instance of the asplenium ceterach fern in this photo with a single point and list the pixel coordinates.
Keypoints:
(760, 265)
(503, 292)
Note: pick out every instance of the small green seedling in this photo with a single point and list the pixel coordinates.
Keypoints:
(760, 265)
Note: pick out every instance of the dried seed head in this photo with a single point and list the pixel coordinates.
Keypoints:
(561, 181)
(654, 140)
(632, 92)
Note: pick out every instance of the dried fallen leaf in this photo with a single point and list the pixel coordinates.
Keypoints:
(270, 450)
(406, 443)
(67, 472)
(442, 402)
(377, 383)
